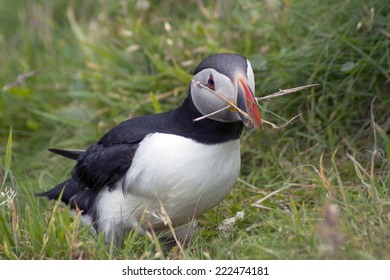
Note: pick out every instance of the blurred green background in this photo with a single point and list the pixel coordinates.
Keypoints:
(319, 188)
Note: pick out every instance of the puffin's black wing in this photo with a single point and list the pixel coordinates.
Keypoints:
(100, 166)
(108, 159)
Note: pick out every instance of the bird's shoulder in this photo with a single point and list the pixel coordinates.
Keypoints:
(135, 129)
(107, 160)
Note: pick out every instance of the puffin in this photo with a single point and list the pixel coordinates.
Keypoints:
(157, 173)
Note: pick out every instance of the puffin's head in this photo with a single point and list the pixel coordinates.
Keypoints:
(223, 89)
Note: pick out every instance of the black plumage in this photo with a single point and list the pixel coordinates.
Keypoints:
(108, 160)
(224, 63)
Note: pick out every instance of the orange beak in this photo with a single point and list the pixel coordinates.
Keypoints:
(247, 102)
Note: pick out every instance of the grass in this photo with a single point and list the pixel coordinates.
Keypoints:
(317, 189)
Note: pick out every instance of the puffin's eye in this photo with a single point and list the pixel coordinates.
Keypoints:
(210, 82)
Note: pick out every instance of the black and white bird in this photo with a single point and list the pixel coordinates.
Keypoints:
(183, 161)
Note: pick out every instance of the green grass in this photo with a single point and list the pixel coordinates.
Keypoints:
(318, 189)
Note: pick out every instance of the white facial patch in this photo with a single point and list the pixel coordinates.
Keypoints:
(207, 102)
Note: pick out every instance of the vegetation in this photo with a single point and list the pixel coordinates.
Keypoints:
(317, 189)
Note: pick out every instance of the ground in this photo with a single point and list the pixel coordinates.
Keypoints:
(316, 189)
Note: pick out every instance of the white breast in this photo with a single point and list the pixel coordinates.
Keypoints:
(179, 173)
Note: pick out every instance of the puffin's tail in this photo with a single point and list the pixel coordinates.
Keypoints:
(72, 154)
(75, 196)
(69, 189)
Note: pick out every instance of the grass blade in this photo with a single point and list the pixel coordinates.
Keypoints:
(8, 155)
(156, 104)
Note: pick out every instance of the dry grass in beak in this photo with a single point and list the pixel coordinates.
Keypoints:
(281, 126)
(231, 104)
(279, 93)
(282, 92)
(211, 114)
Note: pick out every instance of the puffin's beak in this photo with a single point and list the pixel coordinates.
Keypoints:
(247, 102)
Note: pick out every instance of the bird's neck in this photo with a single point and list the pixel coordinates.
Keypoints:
(205, 130)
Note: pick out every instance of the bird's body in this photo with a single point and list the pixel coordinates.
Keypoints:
(178, 181)
(167, 165)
